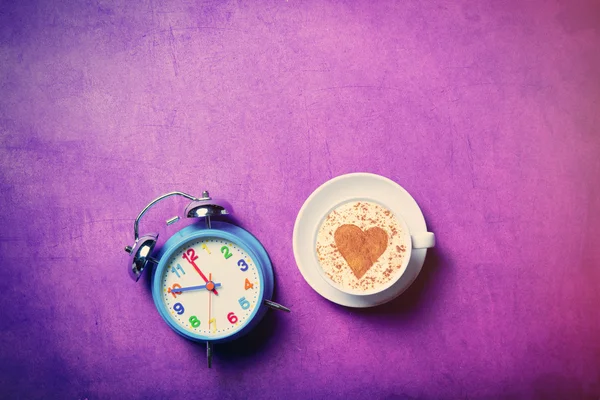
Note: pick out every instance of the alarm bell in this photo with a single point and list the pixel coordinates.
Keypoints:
(139, 255)
(206, 207)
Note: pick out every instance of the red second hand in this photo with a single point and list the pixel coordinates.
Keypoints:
(209, 306)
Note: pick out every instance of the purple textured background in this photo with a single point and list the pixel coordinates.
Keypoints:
(488, 112)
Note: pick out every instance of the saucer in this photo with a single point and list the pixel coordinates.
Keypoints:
(342, 189)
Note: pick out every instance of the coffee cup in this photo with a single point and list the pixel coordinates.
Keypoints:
(363, 248)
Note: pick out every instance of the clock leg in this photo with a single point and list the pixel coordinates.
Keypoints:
(276, 306)
(209, 354)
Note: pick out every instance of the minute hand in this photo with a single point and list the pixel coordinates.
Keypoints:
(185, 289)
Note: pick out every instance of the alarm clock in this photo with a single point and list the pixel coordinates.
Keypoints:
(212, 281)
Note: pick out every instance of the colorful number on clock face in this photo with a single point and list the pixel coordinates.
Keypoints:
(236, 287)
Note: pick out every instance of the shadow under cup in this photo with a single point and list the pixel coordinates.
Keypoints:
(405, 240)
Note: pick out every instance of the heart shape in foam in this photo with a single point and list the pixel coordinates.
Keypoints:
(360, 248)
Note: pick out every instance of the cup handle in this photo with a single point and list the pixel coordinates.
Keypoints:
(423, 240)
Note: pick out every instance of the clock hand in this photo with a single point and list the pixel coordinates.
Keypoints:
(185, 289)
(208, 344)
(209, 298)
(201, 274)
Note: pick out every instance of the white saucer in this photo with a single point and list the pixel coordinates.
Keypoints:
(363, 186)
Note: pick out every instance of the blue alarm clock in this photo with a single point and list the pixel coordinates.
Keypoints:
(212, 281)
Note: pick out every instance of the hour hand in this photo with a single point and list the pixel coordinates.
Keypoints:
(187, 289)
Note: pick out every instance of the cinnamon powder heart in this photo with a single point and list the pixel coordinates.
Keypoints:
(360, 248)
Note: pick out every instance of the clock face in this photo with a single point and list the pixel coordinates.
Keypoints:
(210, 287)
